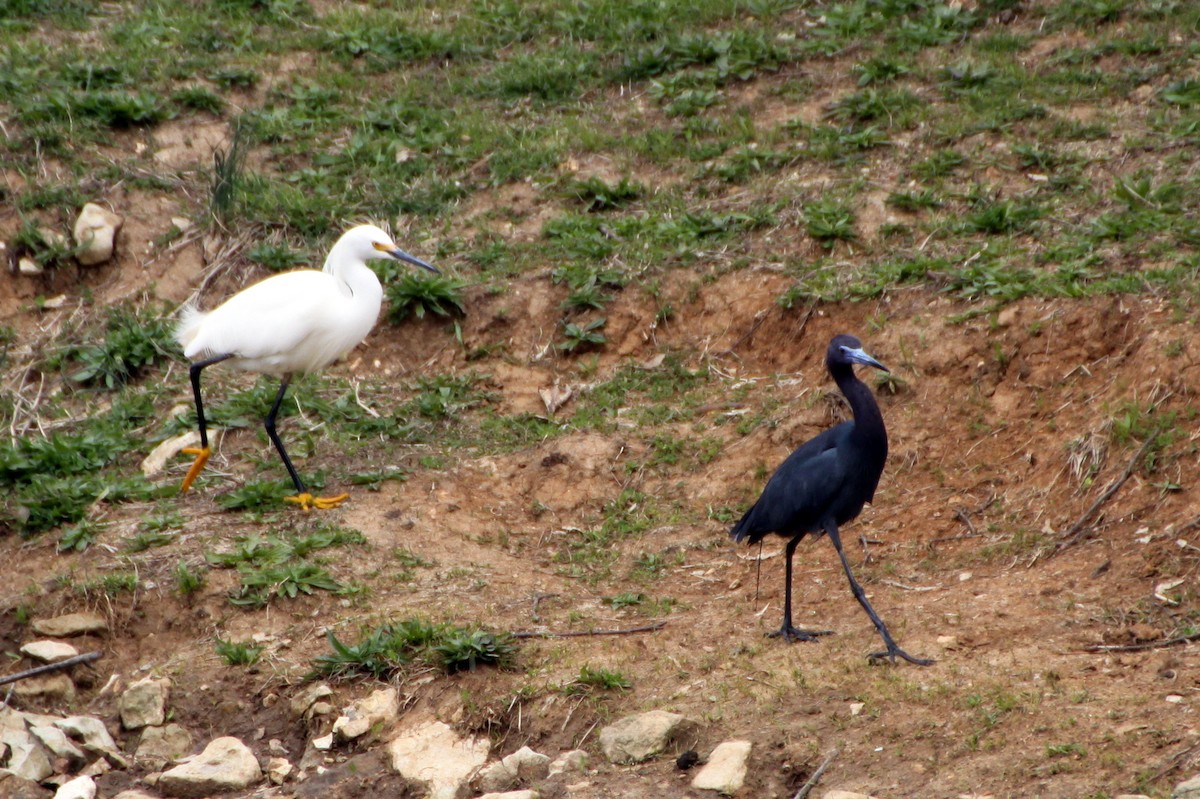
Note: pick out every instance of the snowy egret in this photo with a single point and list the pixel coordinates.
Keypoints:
(825, 483)
(289, 324)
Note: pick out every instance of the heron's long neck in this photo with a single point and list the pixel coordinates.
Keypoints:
(868, 420)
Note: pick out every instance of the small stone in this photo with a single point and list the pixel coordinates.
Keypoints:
(14, 787)
(144, 704)
(637, 738)
(162, 745)
(324, 743)
(1174, 699)
(59, 745)
(278, 769)
(27, 758)
(70, 625)
(1188, 789)
(320, 709)
(725, 770)
(840, 794)
(380, 708)
(96, 234)
(28, 266)
(948, 641)
(83, 787)
(93, 736)
(528, 765)
(496, 777)
(49, 688)
(526, 794)
(856, 708)
(433, 753)
(1131, 796)
(48, 651)
(574, 760)
(276, 748)
(226, 764)
(302, 702)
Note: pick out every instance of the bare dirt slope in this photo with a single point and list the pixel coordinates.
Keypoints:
(1001, 440)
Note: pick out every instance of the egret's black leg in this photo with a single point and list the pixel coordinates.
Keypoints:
(893, 651)
(202, 452)
(269, 424)
(787, 631)
(302, 498)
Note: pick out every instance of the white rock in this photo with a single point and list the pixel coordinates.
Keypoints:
(96, 234)
(79, 788)
(1188, 789)
(324, 743)
(840, 794)
(144, 704)
(28, 266)
(278, 769)
(49, 651)
(496, 777)
(725, 770)
(528, 765)
(305, 700)
(381, 708)
(226, 764)
(574, 760)
(27, 758)
(637, 738)
(59, 745)
(526, 794)
(434, 754)
(158, 458)
(70, 625)
(93, 736)
(162, 745)
(48, 688)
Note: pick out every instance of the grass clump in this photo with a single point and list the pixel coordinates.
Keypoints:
(133, 341)
(412, 294)
(388, 649)
(591, 680)
(238, 653)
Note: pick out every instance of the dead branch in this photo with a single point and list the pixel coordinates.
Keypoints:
(1144, 645)
(1078, 531)
(649, 628)
(807, 787)
(61, 664)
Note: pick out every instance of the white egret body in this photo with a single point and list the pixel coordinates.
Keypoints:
(289, 324)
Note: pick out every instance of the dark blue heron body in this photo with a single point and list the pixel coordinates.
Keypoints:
(825, 483)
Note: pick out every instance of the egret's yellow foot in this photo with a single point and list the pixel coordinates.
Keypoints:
(202, 454)
(307, 501)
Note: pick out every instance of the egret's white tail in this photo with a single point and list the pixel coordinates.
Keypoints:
(190, 319)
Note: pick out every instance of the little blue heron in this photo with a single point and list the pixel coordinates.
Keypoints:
(824, 484)
(294, 323)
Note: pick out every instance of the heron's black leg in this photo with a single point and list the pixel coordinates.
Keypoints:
(269, 424)
(893, 651)
(202, 452)
(787, 631)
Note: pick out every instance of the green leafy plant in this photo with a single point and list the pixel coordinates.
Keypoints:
(188, 581)
(133, 342)
(581, 337)
(414, 294)
(592, 679)
(238, 653)
(463, 650)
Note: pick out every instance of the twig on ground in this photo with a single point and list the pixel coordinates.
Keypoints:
(807, 787)
(1077, 531)
(61, 664)
(649, 628)
(1144, 645)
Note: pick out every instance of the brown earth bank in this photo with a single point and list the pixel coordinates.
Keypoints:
(1005, 431)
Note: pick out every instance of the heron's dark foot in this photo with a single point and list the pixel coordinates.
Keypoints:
(202, 455)
(789, 633)
(307, 501)
(893, 652)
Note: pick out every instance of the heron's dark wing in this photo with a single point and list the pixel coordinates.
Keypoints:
(802, 489)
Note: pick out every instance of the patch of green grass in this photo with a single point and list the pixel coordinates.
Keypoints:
(410, 293)
(188, 581)
(80, 536)
(134, 340)
(387, 649)
(582, 337)
(829, 221)
(592, 679)
(238, 653)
